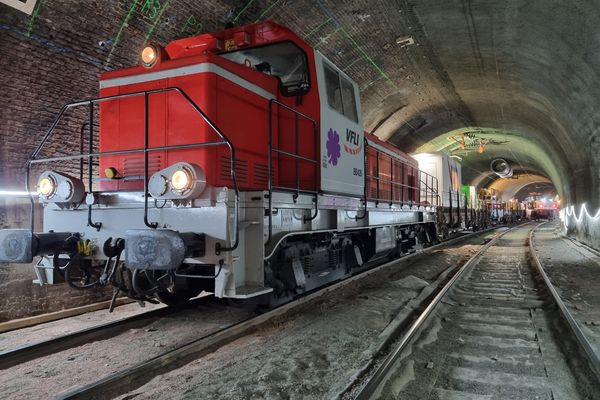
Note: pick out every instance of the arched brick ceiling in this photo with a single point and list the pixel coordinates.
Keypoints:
(528, 68)
(425, 67)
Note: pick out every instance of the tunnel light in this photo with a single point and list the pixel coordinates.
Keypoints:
(16, 193)
(404, 41)
(569, 211)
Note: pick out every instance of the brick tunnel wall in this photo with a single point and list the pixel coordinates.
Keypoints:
(19, 296)
(46, 60)
(582, 224)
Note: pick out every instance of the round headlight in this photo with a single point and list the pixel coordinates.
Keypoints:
(180, 180)
(46, 186)
(149, 56)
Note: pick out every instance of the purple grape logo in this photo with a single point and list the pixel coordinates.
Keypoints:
(334, 150)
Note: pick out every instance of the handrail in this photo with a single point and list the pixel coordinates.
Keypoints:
(146, 149)
(396, 165)
(297, 158)
(396, 185)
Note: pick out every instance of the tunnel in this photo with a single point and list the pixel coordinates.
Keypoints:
(517, 77)
(488, 84)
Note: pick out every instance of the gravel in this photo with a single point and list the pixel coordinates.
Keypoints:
(575, 272)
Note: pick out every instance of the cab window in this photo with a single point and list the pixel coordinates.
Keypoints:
(334, 92)
(340, 93)
(284, 60)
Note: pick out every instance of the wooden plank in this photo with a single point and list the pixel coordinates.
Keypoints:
(53, 316)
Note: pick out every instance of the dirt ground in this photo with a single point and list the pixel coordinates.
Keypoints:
(304, 355)
(45, 377)
(491, 338)
(575, 272)
(49, 330)
(315, 354)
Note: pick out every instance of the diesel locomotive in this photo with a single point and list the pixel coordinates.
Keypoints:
(234, 162)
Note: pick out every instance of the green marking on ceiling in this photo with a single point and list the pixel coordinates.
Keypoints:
(378, 68)
(328, 36)
(156, 21)
(191, 25)
(243, 10)
(267, 10)
(121, 29)
(34, 15)
(353, 62)
(368, 85)
(316, 28)
(369, 59)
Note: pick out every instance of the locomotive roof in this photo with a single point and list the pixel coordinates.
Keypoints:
(218, 42)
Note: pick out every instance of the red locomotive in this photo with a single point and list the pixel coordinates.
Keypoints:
(234, 162)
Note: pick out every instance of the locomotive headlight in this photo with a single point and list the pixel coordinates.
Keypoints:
(149, 56)
(56, 187)
(46, 186)
(180, 181)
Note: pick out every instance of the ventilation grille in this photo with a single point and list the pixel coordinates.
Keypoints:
(241, 170)
(261, 174)
(134, 166)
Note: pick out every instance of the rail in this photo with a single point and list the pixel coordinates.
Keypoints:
(90, 155)
(29, 352)
(592, 356)
(297, 190)
(373, 383)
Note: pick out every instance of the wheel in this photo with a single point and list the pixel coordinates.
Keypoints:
(445, 232)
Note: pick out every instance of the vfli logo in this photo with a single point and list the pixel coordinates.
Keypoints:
(353, 143)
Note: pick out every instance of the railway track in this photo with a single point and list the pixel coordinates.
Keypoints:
(29, 352)
(137, 375)
(497, 330)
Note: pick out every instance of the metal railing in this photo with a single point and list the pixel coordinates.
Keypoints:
(428, 189)
(297, 190)
(425, 186)
(145, 150)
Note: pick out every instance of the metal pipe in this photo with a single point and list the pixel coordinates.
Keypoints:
(123, 152)
(297, 157)
(270, 175)
(146, 139)
(96, 225)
